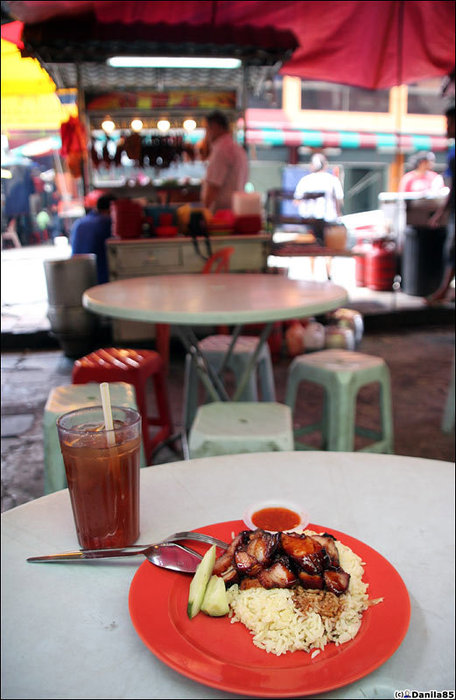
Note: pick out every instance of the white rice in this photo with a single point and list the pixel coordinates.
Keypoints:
(277, 626)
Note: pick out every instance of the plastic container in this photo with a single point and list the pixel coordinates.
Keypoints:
(127, 219)
(166, 231)
(335, 237)
(246, 203)
(248, 224)
(257, 511)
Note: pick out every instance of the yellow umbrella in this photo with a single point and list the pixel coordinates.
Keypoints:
(29, 99)
(23, 76)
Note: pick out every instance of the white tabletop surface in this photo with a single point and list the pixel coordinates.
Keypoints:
(208, 299)
(66, 630)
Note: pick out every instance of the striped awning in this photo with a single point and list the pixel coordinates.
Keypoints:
(345, 139)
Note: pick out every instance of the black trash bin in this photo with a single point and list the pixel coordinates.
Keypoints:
(423, 260)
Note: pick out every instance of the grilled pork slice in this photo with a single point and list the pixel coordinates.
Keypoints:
(329, 543)
(245, 563)
(225, 565)
(262, 546)
(247, 583)
(305, 551)
(310, 580)
(336, 580)
(279, 575)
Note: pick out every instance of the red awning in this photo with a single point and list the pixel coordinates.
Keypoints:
(373, 45)
(12, 32)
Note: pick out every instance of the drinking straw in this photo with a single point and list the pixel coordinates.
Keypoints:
(107, 413)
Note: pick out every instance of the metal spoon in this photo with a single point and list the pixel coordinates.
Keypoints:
(168, 555)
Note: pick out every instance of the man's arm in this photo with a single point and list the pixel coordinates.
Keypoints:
(210, 194)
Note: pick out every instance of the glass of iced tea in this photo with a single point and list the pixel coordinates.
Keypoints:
(102, 470)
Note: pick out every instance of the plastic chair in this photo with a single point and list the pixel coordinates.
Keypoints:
(222, 428)
(342, 373)
(135, 367)
(219, 261)
(70, 397)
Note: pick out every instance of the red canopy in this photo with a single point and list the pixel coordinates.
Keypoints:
(374, 44)
(12, 32)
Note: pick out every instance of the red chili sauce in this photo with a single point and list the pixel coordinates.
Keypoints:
(278, 519)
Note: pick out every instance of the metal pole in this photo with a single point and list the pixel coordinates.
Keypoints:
(81, 115)
(244, 96)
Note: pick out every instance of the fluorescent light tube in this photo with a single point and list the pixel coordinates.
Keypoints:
(171, 62)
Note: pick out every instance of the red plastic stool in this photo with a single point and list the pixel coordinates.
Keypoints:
(134, 367)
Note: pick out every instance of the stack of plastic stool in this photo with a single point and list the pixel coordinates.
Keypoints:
(69, 398)
(342, 374)
(232, 427)
(214, 348)
(134, 367)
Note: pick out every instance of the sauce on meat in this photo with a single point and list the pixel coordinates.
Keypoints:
(278, 519)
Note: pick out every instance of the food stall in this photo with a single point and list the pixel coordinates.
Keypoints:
(143, 130)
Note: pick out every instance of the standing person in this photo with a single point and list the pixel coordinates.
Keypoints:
(17, 201)
(227, 168)
(422, 178)
(319, 196)
(89, 235)
(438, 218)
(10, 234)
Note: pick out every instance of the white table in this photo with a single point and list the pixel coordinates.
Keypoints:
(66, 631)
(187, 301)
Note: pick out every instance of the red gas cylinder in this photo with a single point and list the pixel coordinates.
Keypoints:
(360, 250)
(380, 265)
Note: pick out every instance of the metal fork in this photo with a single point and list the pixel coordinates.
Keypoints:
(197, 537)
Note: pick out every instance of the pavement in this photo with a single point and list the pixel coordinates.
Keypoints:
(416, 341)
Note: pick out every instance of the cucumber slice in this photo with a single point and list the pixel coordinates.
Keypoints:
(199, 582)
(215, 601)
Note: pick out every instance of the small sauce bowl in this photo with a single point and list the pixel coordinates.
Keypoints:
(276, 516)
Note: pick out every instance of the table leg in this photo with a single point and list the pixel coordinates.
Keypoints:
(208, 376)
(252, 362)
(211, 379)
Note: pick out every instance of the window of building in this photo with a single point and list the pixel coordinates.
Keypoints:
(342, 98)
(424, 97)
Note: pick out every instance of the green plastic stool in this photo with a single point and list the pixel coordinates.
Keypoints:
(342, 373)
(69, 398)
(214, 348)
(234, 427)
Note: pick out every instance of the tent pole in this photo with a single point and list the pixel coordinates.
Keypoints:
(81, 115)
(244, 96)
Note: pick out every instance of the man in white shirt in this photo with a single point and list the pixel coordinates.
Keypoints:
(227, 168)
(319, 195)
